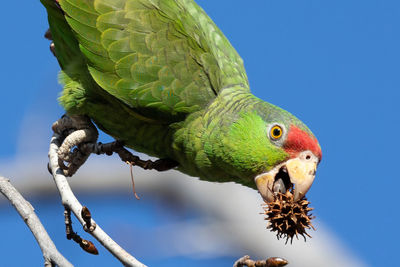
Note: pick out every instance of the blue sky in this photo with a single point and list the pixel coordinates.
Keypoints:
(333, 64)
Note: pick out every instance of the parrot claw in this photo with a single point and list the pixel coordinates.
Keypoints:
(48, 35)
(77, 131)
(79, 137)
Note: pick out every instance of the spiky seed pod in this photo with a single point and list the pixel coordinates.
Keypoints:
(289, 218)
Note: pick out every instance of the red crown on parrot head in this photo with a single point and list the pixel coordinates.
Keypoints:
(299, 140)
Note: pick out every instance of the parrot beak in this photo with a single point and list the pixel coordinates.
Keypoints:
(296, 173)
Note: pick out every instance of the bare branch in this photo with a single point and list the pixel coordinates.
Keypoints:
(70, 202)
(50, 253)
(270, 262)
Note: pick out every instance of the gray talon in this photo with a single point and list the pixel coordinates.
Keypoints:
(77, 130)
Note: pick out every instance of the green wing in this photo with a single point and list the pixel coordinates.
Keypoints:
(163, 56)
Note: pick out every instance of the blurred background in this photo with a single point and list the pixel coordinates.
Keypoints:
(334, 64)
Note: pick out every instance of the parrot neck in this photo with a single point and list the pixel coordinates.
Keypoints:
(203, 137)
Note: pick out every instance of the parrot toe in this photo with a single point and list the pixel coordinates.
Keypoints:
(75, 132)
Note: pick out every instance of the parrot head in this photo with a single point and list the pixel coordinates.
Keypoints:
(297, 170)
(274, 149)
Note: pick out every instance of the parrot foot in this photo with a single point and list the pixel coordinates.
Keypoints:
(79, 141)
(77, 132)
(49, 36)
(126, 156)
(270, 262)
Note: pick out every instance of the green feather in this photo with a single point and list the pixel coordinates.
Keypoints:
(179, 49)
(160, 76)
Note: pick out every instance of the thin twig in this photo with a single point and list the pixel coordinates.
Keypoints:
(71, 202)
(52, 256)
(86, 245)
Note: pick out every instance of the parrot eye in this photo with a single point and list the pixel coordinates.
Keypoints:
(276, 132)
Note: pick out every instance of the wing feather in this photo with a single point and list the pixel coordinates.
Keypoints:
(160, 56)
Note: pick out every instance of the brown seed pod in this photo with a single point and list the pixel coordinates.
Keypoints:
(289, 218)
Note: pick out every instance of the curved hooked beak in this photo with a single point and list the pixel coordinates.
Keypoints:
(297, 174)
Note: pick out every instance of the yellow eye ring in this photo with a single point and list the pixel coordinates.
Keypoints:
(276, 132)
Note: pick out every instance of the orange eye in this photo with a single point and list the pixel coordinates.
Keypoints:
(276, 132)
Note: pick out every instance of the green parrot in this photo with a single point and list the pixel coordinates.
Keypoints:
(162, 78)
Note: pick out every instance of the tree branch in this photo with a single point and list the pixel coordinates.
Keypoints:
(50, 253)
(71, 203)
(270, 262)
